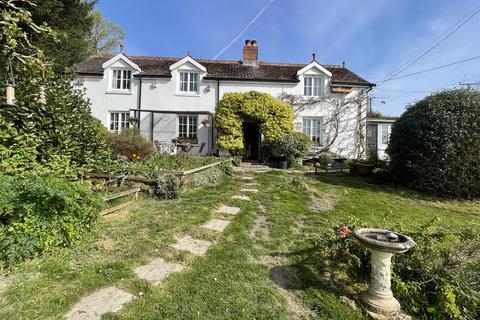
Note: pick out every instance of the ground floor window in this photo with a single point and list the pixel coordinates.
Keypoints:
(385, 130)
(312, 127)
(119, 121)
(187, 126)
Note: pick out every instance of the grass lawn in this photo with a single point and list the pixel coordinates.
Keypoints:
(261, 267)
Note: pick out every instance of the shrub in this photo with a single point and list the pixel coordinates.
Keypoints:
(38, 214)
(131, 144)
(176, 162)
(35, 135)
(167, 187)
(325, 159)
(435, 145)
(292, 146)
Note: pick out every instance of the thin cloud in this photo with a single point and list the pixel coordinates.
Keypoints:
(244, 29)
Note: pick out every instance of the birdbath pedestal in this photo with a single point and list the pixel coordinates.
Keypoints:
(382, 245)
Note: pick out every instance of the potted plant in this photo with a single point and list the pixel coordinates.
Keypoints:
(365, 168)
(291, 147)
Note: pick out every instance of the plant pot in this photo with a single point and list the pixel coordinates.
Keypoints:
(283, 164)
(274, 163)
(365, 170)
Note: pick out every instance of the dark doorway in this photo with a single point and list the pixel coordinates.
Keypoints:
(251, 138)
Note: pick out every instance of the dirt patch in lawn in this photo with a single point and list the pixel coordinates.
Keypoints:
(287, 279)
(107, 244)
(260, 230)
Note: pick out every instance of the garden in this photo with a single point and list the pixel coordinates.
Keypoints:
(83, 209)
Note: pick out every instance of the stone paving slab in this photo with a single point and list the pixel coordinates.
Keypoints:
(92, 307)
(248, 190)
(157, 270)
(216, 225)
(228, 210)
(194, 246)
(4, 283)
(247, 178)
(246, 198)
(250, 184)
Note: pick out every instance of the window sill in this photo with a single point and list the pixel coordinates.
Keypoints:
(118, 92)
(182, 94)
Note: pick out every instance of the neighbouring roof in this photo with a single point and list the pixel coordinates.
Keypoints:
(227, 70)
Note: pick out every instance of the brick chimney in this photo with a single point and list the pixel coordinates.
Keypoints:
(250, 53)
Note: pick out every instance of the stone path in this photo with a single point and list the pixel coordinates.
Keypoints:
(4, 283)
(228, 210)
(216, 225)
(245, 198)
(112, 299)
(92, 307)
(157, 270)
(250, 184)
(194, 246)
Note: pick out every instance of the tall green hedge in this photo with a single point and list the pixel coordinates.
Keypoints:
(275, 118)
(435, 145)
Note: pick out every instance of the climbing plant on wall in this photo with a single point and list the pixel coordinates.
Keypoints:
(274, 117)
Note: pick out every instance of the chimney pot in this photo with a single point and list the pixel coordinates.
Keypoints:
(250, 53)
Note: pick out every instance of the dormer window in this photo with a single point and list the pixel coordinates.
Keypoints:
(189, 82)
(121, 79)
(313, 86)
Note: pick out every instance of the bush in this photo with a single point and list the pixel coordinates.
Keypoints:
(38, 214)
(34, 136)
(175, 162)
(325, 159)
(435, 145)
(131, 144)
(292, 146)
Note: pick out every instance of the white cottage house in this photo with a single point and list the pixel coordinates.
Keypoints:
(170, 98)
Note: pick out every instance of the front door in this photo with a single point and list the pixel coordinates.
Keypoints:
(251, 138)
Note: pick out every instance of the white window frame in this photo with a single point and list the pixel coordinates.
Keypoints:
(187, 134)
(315, 88)
(123, 80)
(388, 128)
(317, 141)
(118, 120)
(191, 85)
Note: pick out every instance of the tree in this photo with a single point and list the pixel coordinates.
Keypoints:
(339, 114)
(106, 36)
(435, 145)
(73, 21)
(56, 134)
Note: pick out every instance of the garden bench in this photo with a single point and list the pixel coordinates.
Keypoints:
(335, 168)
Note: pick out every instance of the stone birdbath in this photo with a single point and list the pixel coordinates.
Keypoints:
(382, 245)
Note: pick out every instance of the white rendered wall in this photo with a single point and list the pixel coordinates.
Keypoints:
(163, 94)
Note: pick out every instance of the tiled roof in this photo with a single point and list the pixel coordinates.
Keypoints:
(227, 70)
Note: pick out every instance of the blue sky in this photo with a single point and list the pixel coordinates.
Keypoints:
(374, 37)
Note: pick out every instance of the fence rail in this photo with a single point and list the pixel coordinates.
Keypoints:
(112, 174)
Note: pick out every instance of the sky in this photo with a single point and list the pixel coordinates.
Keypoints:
(374, 37)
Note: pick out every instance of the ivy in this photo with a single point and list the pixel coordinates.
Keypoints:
(275, 118)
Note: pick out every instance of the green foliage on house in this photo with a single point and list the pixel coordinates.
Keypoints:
(275, 118)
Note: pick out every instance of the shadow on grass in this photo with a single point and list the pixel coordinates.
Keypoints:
(368, 184)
